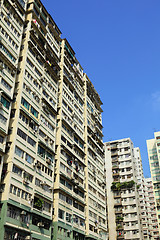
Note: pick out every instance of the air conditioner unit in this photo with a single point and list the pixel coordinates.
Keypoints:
(46, 138)
(40, 224)
(48, 161)
(1, 66)
(51, 142)
(23, 213)
(28, 238)
(43, 183)
(38, 165)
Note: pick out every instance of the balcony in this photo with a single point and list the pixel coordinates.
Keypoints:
(114, 159)
(119, 219)
(115, 173)
(115, 166)
(118, 203)
(114, 153)
(114, 146)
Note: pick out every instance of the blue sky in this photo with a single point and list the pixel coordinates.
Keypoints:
(117, 43)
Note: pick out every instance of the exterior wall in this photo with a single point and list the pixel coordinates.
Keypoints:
(154, 161)
(110, 195)
(143, 196)
(28, 168)
(69, 192)
(10, 42)
(95, 183)
(153, 222)
(51, 148)
(122, 193)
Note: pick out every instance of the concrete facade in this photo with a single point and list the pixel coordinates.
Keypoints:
(124, 216)
(147, 202)
(51, 149)
(154, 161)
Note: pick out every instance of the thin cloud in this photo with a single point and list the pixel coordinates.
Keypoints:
(156, 100)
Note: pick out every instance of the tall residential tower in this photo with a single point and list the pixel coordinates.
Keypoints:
(153, 146)
(124, 216)
(51, 149)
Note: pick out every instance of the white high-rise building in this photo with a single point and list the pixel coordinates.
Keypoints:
(124, 215)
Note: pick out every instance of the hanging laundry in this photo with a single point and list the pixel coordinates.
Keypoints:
(36, 23)
(16, 236)
(49, 63)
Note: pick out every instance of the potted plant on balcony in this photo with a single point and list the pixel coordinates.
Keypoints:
(39, 204)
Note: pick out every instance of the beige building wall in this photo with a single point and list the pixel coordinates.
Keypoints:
(110, 196)
(51, 147)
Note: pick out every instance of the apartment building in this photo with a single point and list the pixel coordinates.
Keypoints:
(78, 183)
(147, 202)
(51, 149)
(124, 216)
(11, 29)
(154, 229)
(143, 196)
(154, 158)
(28, 168)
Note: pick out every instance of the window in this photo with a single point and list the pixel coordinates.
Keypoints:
(47, 207)
(3, 120)
(5, 103)
(14, 190)
(21, 134)
(62, 197)
(29, 159)
(62, 181)
(31, 141)
(17, 170)
(75, 139)
(6, 85)
(61, 214)
(34, 112)
(69, 200)
(81, 208)
(68, 217)
(1, 139)
(18, 192)
(7, 53)
(68, 185)
(19, 152)
(81, 145)
(13, 213)
(41, 151)
(25, 103)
